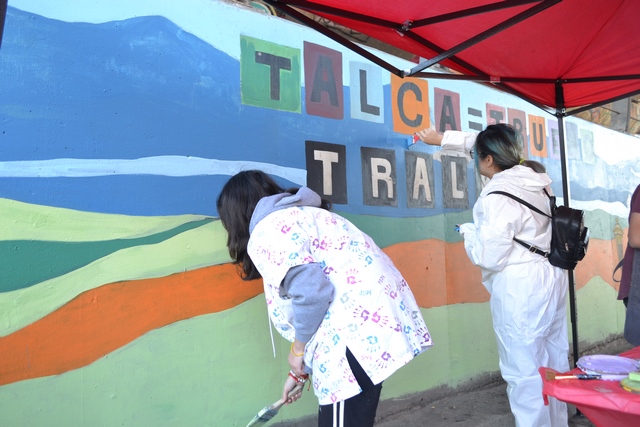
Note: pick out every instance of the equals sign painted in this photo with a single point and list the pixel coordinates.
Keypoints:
(476, 113)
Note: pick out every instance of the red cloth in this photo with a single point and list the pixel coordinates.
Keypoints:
(604, 403)
(634, 353)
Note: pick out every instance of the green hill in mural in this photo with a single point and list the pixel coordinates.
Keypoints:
(25, 221)
(34, 261)
(175, 360)
(189, 250)
(142, 247)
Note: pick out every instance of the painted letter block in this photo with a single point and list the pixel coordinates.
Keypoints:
(496, 114)
(447, 106)
(518, 119)
(573, 143)
(454, 182)
(588, 151)
(324, 94)
(537, 136)
(419, 177)
(554, 139)
(327, 170)
(378, 177)
(409, 104)
(270, 75)
(367, 95)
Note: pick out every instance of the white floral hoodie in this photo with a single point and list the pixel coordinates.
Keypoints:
(373, 312)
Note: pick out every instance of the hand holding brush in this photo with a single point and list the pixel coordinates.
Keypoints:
(271, 411)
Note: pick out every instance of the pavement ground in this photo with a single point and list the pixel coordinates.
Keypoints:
(480, 403)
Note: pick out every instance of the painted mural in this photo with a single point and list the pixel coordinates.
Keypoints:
(120, 122)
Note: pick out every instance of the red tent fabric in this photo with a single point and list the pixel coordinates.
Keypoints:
(590, 46)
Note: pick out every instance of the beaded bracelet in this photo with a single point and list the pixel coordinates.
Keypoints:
(296, 354)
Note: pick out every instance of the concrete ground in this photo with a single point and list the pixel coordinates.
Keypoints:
(486, 406)
(482, 403)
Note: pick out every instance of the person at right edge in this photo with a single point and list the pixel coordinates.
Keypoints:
(528, 294)
(629, 292)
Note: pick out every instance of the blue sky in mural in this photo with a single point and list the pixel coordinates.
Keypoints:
(144, 89)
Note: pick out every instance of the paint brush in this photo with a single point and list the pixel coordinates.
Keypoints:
(270, 411)
(550, 376)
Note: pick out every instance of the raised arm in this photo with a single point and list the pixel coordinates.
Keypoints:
(451, 140)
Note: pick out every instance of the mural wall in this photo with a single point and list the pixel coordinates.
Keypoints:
(120, 122)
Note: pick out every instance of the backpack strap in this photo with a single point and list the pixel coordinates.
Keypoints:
(552, 201)
(527, 204)
(532, 248)
(529, 247)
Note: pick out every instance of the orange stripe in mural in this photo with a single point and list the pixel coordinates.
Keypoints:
(429, 265)
(104, 319)
(438, 272)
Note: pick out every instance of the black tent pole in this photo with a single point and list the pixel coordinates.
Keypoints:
(3, 15)
(560, 114)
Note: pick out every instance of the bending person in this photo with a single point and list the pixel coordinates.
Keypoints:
(528, 294)
(350, 316)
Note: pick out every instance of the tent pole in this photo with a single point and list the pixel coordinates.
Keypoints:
(560, 114)
(3, 15)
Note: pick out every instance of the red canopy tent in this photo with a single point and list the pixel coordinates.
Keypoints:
(526, 47)
(564, 56)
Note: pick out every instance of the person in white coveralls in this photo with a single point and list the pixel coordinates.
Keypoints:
(528, 294)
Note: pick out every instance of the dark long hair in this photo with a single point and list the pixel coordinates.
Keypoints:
(505, 145)
(236, 203)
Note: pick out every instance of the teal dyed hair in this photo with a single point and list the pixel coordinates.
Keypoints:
(502, 142)
(505, 145)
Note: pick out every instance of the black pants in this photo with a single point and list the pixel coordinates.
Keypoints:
(359, 410)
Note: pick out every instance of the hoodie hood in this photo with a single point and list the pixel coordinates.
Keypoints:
(520, 178)
(304, 197)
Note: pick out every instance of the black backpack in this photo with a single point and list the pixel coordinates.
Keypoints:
(569, 236)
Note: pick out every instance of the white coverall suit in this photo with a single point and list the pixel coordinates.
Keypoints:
(528, 294)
